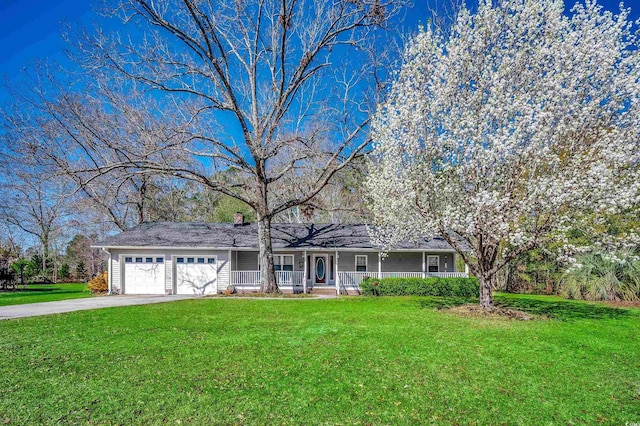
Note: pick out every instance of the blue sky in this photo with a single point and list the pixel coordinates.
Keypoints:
(30, 29)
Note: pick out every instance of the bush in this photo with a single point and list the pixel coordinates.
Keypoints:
(81, 271)
(64, 272)
(609, 277)
(7, 279)
(100, 284)
(444, 287)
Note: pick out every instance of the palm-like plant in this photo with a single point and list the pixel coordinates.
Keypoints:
(602, 277)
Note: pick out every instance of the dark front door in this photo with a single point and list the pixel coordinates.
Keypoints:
(321, 269)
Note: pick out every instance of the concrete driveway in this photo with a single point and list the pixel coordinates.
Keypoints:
(59, 307)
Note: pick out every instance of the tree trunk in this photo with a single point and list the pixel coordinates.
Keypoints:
(486, 290)
(45, 255)
(268, 282)
(141, 201)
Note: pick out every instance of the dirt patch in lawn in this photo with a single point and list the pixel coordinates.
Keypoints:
(495, 312)
(621, 304)
(266, 295)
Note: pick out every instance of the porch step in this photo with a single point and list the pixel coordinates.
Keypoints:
(324, 291)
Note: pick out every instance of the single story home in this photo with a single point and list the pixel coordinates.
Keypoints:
(207, 258)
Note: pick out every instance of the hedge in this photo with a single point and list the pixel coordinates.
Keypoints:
(456, 287)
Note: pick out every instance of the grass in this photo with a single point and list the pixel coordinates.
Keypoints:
(35, 293)
(343, 361)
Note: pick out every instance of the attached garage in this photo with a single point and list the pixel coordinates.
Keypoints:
(144, 275)
(196, 275)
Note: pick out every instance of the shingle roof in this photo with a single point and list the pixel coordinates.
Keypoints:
(284, 235)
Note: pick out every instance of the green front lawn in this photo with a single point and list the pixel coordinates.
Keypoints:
(345, 361)
(44, 293)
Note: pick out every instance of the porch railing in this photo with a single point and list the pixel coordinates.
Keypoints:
(285, 278)
(448, 274)
(352, 280)
(401, 275)
(250, 280)
(355, 278)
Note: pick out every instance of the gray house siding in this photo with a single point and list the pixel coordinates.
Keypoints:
(245, 260)
(412, 261)
(406, 262)
(393, 262)
(347, 261)
(248, 260)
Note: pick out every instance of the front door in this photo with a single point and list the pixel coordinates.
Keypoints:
(320, 269)
(433, 263)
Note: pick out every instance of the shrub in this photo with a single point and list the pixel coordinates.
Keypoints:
(64, 272)
(445, 287)
(81, 271)
(603, 277)
(100, 284)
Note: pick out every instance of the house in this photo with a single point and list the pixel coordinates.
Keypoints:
(206, 258)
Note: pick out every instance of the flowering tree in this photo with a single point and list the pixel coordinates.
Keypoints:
(513, 125)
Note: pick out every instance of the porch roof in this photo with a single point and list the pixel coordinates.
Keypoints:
(284, 236)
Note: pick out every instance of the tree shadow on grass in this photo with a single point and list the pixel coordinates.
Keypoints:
(561, 310)
(38, 292)
(445, 302)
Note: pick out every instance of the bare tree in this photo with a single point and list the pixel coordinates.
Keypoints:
(342, 200)
(82, 133)
(264, 87)
(11, 245)
(119, 199)
(35, 204)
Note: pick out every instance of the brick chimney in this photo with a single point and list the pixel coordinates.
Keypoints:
(238, 219)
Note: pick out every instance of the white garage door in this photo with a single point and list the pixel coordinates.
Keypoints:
(196, 275)
(144, 275)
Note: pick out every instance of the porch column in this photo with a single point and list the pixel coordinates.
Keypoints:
(230, 269)
(424, 266)
(379, 265)
(304, 274)
(336, 281)
(453, 262)
(466, 269)
(109, 273)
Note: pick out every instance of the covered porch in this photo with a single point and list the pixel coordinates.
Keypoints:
(339, 270)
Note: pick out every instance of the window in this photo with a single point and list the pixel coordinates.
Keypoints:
(159, 259)
(201, 260)
(309, 267)
(190, 260)
(128, 259)
(149, 260)
(283, 262)
(211, 260)
(138, 260)
(361, 263)
(433, 263)
(180, 260)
